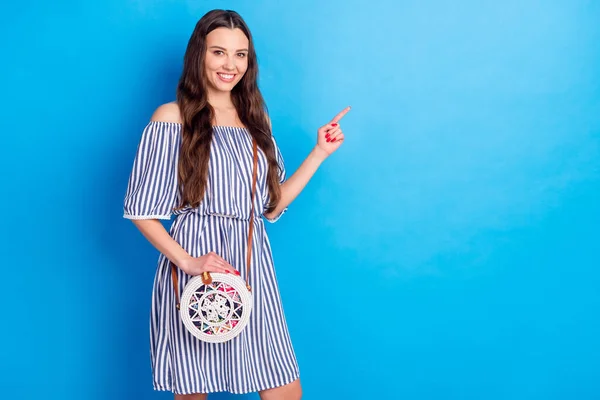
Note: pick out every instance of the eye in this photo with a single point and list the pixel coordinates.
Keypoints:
(217, 52)
(242, 55)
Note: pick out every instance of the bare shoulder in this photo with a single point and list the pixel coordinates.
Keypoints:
(168, 112)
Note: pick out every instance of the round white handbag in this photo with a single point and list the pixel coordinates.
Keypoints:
(216, 307)
(218, 311)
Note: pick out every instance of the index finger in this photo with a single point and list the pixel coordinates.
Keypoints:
(338, 117)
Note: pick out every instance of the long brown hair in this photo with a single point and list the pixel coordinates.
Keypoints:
(197, 114)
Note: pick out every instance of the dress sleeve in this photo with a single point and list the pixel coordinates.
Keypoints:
(282, 178)
(152, 190)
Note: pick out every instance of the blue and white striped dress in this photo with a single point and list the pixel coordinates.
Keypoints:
(261, 357)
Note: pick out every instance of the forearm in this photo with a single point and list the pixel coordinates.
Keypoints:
(158, 236)
(292, 187)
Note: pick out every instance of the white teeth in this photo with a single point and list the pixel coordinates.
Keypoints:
(226, 76)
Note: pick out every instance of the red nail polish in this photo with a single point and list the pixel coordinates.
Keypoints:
(226, 271)
(237, 272)
(327, 136)
(327, 140)
(333, 124)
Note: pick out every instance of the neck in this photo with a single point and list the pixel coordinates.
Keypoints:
(219, 99)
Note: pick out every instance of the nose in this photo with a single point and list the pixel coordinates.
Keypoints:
(229, 64)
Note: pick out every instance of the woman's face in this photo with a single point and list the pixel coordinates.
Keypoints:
(226, 58)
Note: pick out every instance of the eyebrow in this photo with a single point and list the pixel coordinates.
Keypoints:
(224, 49)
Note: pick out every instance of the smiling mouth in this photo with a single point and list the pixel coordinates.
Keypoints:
(226, 77)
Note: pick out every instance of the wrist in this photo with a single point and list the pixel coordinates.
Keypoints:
(182, 261)
(319, 154)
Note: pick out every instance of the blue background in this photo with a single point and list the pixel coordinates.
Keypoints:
(449, 250)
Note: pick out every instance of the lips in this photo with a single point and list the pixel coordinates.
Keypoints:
(226, 77)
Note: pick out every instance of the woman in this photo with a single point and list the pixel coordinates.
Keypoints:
(194, 160)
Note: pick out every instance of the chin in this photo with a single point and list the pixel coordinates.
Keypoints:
(225, 87)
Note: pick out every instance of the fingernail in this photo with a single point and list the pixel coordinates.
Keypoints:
(327, 140)
(226, 271)
(332, 140)
(237, 272)
(333, 124)
(327, 135)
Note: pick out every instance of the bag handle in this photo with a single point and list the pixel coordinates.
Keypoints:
(206, 278)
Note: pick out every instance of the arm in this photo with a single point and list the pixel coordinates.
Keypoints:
(158, 236)
(151, 228)
(329, 139)
(292, 187)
